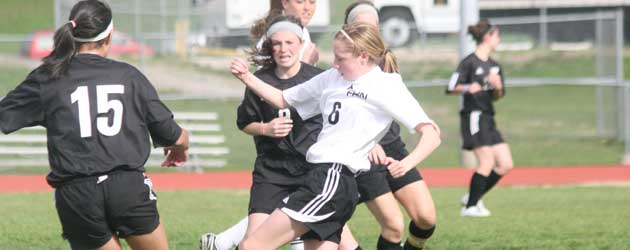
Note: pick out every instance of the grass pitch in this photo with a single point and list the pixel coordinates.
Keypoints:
(522, 218)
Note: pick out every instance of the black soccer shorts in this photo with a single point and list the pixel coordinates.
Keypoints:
(373, 183)
(266, 197)
(479, 129)
(399, 152)
(91, 209)
(325, 202)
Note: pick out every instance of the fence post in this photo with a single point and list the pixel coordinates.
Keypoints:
(163, 19)
(57, 10)
(626, 87)
(469, 14)
(599, 64)
(543, 28)
(137, 27)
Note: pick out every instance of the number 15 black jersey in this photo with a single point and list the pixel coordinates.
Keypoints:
(98, 117)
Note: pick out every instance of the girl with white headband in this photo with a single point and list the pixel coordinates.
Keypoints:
(358, 102)
(281, 136)
(98, 114)
(380, 190)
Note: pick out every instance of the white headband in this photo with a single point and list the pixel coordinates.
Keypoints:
(285, 26)
(359, 9)
(100, 36)
(346, 35)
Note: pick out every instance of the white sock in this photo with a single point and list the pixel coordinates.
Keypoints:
(232, 236)
(297, 244)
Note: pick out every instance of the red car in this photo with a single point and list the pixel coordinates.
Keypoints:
(41, 44)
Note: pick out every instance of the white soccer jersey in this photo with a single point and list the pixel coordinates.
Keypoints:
(356, 114)
(305, 36)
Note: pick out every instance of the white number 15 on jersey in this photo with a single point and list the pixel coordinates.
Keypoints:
(103, 105)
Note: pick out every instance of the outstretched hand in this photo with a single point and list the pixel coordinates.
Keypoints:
(239, 68)
(175, 156)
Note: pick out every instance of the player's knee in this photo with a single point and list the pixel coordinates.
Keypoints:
(425, 220)
(393, 230)
(486, 162)
(505, 167)
(247, 244)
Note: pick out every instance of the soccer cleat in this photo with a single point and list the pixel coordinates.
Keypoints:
(206, 242)
(475, 211)
(464, 202)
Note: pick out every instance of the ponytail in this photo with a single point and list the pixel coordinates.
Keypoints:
(64, 49)
(389, 63)
(88, 18)
(479, 30)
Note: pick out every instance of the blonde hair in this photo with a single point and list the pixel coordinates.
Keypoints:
(362, 37)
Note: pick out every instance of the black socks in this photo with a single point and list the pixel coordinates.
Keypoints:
(492, 180)
(417, 237)
(384, 244)
(477, 189)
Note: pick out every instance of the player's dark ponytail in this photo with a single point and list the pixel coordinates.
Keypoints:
(479, 30)
(87, 19)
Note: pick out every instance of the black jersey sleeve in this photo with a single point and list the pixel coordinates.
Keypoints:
(249, 110)
(159, 119)
(22, 107)
(460, 76)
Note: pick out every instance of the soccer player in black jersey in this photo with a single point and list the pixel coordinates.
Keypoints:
(99, 115)
(379, 189)
(480, 82)
(281, 136)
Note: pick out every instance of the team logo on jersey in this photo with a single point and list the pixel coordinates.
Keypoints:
(353, 93)
(479, 71)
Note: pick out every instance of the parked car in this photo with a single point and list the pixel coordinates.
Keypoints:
(40, 44)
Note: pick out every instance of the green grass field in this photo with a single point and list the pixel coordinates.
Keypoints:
(523, 218)
(23, 17)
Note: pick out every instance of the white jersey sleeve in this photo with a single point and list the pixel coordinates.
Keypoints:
(305, 97)
(401, 104)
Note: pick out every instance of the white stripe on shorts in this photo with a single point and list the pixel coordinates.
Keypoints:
(304, 218)
(330, 186)
(307, 213)
(335, 171)
(474, 121)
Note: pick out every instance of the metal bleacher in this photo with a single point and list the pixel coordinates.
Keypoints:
(27, 147)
